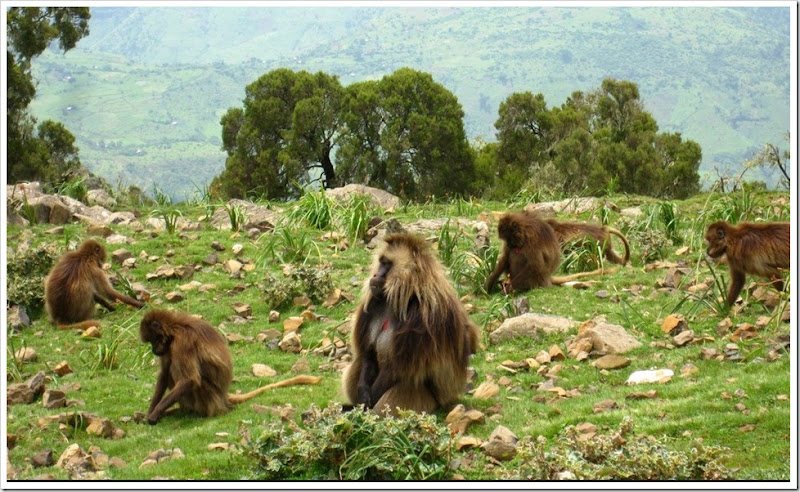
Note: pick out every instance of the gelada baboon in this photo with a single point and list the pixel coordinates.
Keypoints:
(530, 255)
(196, 366)
(761, 249)
(411, 338)
(567, 231)
(76, 283)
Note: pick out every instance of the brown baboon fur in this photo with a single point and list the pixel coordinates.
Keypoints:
(530, 255)
(411, 338)
(196, 366)
(76, 283)
(566, 231)
(761, 249)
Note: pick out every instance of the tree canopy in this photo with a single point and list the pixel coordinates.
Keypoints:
(46, 152)
(594, 142)
(403, 133)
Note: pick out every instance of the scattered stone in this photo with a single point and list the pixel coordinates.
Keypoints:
(689, 369)
(274, 316)
(237, 248)
(43, 458)
(300, 366)
(54, 398)
(637, 395)
(291, 343)
(217, 246)
(24, 393)
(611, 361)
(652, 376)
(91, 332)
(100, 427)
(602, 294)
(605, 338)
(486, 390)
(292, 324)
(556, 353)
(467, 442)
(502, 444)
(222, 446)
(242, 309)
(747, 428)
(120, 255)
(674, 324)
(683, 338)
(211, 259)
(263, 371)
(605, 406)
(100, 230)
(26, 354)
(232, 266)
(531, 325)
(174, 297)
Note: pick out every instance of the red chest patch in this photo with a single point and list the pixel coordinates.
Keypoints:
(385, 326)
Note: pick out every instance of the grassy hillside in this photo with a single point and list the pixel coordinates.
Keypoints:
(720, 76)
(737, 398)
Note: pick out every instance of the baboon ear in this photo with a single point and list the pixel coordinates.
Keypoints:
(155, 325)
(720, 233)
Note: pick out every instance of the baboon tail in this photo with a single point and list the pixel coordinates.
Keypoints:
(79, 326)
(575, 276)
(287, 382)
(624, 241)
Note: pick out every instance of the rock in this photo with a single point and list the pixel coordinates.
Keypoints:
(263, 371)
(100, 427)
(291, 343)
(486, 390)
(683, 338)
(654, 376)
(54, 398)
(674, 324)
(43, 458)
(120, 255)
(611, 361)
(55, 231)
(556, 353)
(17, 318)
(292, 324)
(636, 395)
(174, 297)
(607, 338)
(100, 197)
(605, 406)
(531, 324)
(237, 248)
(232, 266)
(467, 442)
(50, 209)
(24, 393)
(724, 326)
(211, 259)
(242, 309)
(217, 246)
(632, 212)
(502, 444)
(542, 357)
(26, 354)
(689, 369)
(274, 316)
(379, 198)
(256, 217)
(577, 205)
(300, 366)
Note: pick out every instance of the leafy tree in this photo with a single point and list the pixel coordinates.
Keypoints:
(46, 153)
(283, 136)
(595, 141)
(405, 134)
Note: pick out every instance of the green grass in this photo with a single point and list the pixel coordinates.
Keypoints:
(687, 408)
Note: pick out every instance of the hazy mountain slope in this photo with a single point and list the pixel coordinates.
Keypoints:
(158, 79)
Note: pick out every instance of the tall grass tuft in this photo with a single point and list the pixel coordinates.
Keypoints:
(355, 215)
(237, 216)
(315, 208)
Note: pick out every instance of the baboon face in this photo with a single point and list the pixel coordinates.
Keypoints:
(508, 231)
(153, 334)
(715, 237)
(378, 280)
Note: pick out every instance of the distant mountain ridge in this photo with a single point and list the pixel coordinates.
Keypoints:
(149, 84)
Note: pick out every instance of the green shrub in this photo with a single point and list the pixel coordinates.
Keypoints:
(26, 272)
(618, 455)
(355, 445)
(315, 283)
